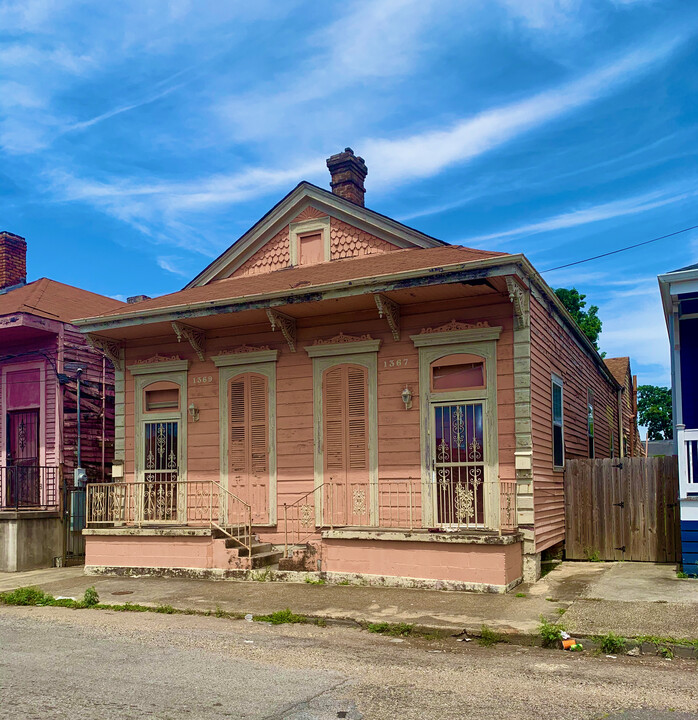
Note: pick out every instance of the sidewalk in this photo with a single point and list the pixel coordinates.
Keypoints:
(630, 599)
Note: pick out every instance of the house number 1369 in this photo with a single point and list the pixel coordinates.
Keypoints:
(200, 379)
(401, 362)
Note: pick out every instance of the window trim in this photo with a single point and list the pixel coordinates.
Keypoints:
(308, 227)
(322, 363)
(557, 381)
(150, 374)
(226, 373)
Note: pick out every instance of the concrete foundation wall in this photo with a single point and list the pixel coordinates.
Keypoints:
(29, 540)
(481, 564)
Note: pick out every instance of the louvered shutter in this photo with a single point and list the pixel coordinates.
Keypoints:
(357, 417)
(345, 417)
(249, 425)
(259, 455)
(237, 447)
(333, 410)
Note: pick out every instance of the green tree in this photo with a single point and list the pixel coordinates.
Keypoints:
(587, 320)
(654, 411)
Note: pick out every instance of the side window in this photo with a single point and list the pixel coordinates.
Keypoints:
(558, 423)
(590, 422)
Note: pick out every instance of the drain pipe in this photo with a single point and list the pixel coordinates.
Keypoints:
(79, 375)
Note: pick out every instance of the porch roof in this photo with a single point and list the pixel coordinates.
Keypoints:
(393, 270)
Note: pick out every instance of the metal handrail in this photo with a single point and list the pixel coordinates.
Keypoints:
(296, 504)
(125, 503)
(247, 509)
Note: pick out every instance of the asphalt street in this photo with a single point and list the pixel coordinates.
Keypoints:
(60, 663)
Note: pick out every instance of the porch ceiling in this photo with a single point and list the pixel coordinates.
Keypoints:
(243, 321)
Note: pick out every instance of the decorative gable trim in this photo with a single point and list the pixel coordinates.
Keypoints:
(296, 203)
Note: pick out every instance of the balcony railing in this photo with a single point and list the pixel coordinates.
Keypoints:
(687, 447)
(195, 503)
(29, 487)
(395, 504)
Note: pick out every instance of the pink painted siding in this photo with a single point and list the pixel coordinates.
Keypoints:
(347, 241)
(554, 350)
(273, 256)
(398, 429)
(485, 564)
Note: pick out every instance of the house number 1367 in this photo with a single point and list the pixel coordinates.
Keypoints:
(401, 362)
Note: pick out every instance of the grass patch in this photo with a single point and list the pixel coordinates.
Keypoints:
(611, 644)
(281, 617)
(659, 641)
(550, 632)
(561, 611)
(310, 581)
(394, 630)
(520, 595)
(343, 582)
(489, 637)
(592, 555)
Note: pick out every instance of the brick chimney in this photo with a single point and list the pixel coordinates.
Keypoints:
(13, 260)
(348, 173)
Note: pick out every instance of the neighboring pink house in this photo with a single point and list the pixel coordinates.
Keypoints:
(40, 355)
(340, 393)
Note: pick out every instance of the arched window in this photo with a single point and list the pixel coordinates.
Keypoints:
(161, 396)
(460, 371)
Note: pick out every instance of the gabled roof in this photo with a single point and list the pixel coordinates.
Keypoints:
(619, 368)
(294, 280)
(55, 301)
(302, 196)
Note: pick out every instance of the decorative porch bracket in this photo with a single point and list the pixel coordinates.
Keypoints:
(111, 348)
(519, 297)
(195, 337)
(286, 324)
(391, 310)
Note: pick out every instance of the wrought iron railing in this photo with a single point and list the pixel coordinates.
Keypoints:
(687, 443)
(508, 521)
(395, 504)
(194, 503)
(29, 487)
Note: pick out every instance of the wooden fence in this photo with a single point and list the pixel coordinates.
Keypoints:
(623, 509)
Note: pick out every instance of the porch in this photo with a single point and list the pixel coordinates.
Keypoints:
(359, 528)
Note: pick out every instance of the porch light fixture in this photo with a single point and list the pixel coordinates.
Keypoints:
(407, 397)
(194, 413)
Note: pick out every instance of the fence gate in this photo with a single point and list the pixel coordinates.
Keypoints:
(623, 509)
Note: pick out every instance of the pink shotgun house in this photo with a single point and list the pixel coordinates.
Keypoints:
(341, 394)
(41, 357)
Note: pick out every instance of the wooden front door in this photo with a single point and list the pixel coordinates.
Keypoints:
(345, 445)
(459, 464)
(23, 486)
(248, 444)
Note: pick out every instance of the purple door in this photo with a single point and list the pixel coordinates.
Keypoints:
(23, 486)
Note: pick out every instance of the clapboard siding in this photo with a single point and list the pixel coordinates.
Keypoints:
(398, 429)
(75, 349)
(554, 349)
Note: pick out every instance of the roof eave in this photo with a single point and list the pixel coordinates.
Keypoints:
(289, 296)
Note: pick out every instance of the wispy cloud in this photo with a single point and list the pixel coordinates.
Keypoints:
(173, 265)
(426, 154)
(596, 213)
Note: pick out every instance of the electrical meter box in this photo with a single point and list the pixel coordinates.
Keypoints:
(80, 477)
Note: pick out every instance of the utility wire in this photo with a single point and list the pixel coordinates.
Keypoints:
(620, 250)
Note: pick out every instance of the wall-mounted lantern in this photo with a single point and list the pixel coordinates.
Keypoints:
(194, 413)
(407, 397)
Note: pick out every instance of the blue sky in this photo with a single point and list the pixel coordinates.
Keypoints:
(139, 139)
